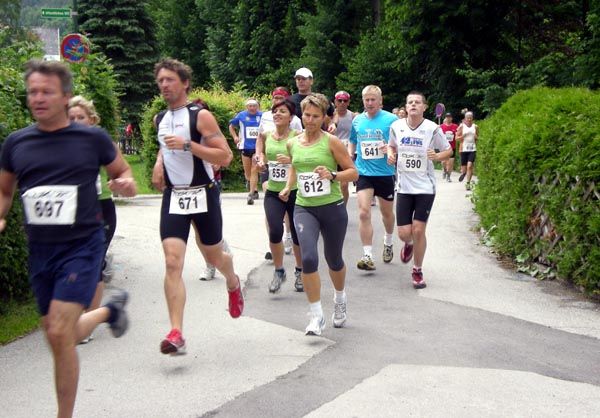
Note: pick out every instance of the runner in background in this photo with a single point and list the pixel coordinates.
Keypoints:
(273, 156)
(81, 110)
(467, 134)
(246, 122)
(342, 117)
(449, 128)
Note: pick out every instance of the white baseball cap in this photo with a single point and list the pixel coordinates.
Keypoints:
(303, 72)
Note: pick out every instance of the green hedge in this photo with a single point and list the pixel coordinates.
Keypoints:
(538, 156)
(224, 106)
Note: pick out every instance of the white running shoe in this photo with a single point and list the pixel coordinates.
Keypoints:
(316, 325)
(287, 245)
(339, 315)
(208, 273)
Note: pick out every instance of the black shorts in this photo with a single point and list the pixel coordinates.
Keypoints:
(467, 157)
(383, 186)
(248, 152)
(208, 224)
(263, 176)
(413, 206)
(66, 271)
(453, 153)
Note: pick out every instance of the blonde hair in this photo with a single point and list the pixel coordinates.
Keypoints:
(372, 89)
(315, 99)
(87, 106)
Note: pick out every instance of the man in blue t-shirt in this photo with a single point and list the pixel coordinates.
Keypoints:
(55, 164)
(247, 122)
(369, 138)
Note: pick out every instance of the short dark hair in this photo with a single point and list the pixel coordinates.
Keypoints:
(417, 93)
(291, 106)
(56, 68)
(183, 70)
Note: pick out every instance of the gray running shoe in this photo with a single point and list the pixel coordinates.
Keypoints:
(255, 195)
(87, 339)
(208, 273)
(119, 299)
(287, 245)
(298, 284)
(366, 263)
(339, 315)
(108, 271)
(388, 253)
(278, 278)
(315, 326)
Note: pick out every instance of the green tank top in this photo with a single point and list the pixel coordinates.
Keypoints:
(311, 191)
(277, 172)
(106, 193)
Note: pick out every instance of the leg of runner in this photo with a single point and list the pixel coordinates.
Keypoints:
(254, 178)
(287, 235)
(174, 249)
(387, 216)
(365, 229)
(247, 164)
(275, 211)
(224, 263)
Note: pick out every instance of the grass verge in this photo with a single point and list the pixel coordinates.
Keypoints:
(137, 166)
(17, 319)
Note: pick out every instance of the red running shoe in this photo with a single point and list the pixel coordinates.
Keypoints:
(417, 279)
(406, 253)
(236, 301)
(173, 344)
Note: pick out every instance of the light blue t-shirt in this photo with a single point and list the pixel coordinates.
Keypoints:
(248, 126)
(369, 135)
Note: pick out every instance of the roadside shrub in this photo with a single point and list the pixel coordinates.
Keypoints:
(538, 165)
(224, 106)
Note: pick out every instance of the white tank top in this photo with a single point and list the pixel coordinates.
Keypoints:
(469, 138)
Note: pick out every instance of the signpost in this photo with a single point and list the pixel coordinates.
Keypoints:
(75, 48)
(51, 13)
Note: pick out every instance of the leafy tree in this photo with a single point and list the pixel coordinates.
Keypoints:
(124, 32)
(185, 40)
(335, 27)
(9, 12)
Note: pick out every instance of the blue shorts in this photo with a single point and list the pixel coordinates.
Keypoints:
(66, 271)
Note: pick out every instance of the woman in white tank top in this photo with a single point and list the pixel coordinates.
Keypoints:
(467, 134)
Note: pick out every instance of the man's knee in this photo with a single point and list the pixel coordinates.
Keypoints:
(364, 214)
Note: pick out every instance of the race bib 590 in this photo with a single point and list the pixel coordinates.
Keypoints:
(411, 161)
(51, 205)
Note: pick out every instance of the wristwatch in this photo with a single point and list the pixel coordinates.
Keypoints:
(333, 175)
(187, 145)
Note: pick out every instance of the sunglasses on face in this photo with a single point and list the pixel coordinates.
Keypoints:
(301, 78)
(342, 100)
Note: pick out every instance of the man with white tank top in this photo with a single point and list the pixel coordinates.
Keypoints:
(190, 142)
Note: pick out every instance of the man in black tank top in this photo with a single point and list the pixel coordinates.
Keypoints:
(190, 142)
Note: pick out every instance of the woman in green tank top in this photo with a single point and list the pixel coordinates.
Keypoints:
(273, 156)
(316, 156)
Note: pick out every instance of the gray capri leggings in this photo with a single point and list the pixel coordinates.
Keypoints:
(331, 221)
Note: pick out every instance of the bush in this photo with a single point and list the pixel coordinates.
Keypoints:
(224, 106)
(539, 172)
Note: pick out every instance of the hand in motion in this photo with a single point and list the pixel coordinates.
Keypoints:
(125, 186)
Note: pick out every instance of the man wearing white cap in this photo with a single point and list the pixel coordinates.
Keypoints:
(304, 82)
(247, 122)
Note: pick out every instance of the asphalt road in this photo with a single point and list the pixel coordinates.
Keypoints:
(480, 340)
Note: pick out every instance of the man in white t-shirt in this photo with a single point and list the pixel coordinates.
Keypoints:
(412, 145)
